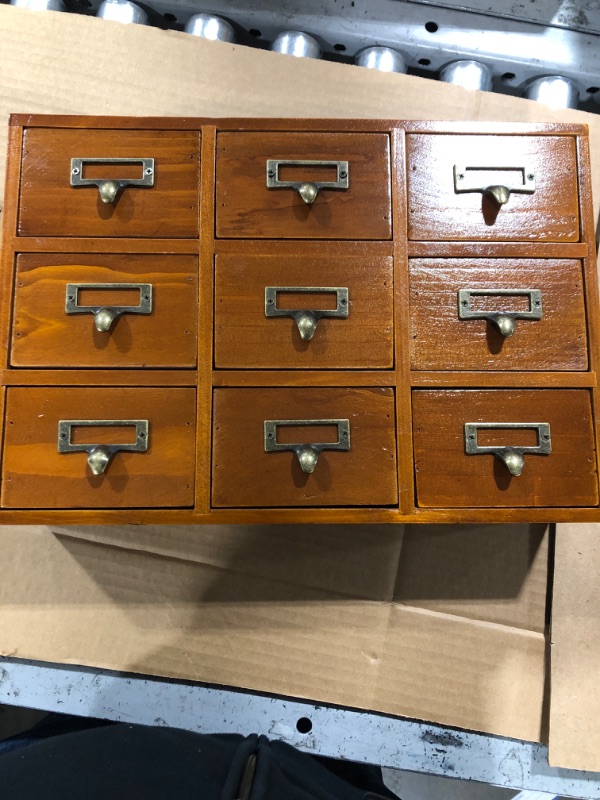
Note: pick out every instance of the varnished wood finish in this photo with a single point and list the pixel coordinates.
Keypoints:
(44, 335)
(272, 230)
(245, 338)
(437, 212)
(245, 207)
(448, 476)
(245, 475)
(557, 341)
(50, 206)
(401, 326)
(205, 322)
(36, 475)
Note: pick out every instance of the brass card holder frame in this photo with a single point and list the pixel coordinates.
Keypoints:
(105, 316)
(503, 321)
(308, 191)
(466, 181)
(110, 188)
(307, 319)
(307, 452)
(511, 457)
(100, 455)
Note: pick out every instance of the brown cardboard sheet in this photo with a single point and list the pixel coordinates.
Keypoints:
(575, 649)
(255, 613)
(444, 624)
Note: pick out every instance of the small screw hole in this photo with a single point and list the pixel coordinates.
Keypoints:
(593, 89)
(339, 47)
(431, 27)
(507, 77)
(170, 17)
(424, 62)
(304, 725)
(255, 32)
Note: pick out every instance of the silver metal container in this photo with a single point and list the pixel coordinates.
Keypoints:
(385, 59)
(296, 43)
(553, 90)
(208, 26)
(468, 74)
(122, 11)
(39, 5)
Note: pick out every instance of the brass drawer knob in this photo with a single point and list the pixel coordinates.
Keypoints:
(109, 189)
(511, 457)
(306, 452)
(308, 191)
(307, 319)
(503, 321)
(100, 455)
(466, 181)
(105, 316)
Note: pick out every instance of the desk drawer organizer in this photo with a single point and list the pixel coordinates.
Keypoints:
(284, 321)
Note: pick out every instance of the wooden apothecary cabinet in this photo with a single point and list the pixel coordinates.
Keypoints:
(225, 320)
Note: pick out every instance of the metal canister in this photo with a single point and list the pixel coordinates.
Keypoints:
(385, 59)
(469, 74)
(553, 90)
(122, 11)
(209, 26)
(40, 5)
(296, 43)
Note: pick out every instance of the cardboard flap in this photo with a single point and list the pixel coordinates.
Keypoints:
(73, 601)
(575, 649)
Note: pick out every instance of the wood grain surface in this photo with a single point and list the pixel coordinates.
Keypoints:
(402, 340)
(245, 338)
(43, 335)
(245, 475)
(246, 208)
(50, 206)
(36, 475)
(437, 212)
(555, 342)
(447, 476)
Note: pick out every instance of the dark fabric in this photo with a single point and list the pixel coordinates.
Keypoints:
(131, 762)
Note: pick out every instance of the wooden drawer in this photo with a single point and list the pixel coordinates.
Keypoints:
(548, 316)
(36, 475)
(448, 476)
(245, 474)
(256, 294)
(51, 206)
(247, 208)
(439, 208)
(51, 291)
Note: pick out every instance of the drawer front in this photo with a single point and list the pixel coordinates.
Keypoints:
(303, 311)
(535, 322)
(76, 311)
(51, 206)
(253, 467)
(159, 473)
(445, 207)
(449, 476)
(359, 209)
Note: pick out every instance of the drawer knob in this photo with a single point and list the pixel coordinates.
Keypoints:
(503, 321)
(306, 452)
(105, 316)
(110, 188)
(100, 455)
(511, 457)
(466, 180)
(308, 191)
(307, 319)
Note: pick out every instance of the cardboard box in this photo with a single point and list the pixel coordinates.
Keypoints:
(442, 623)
